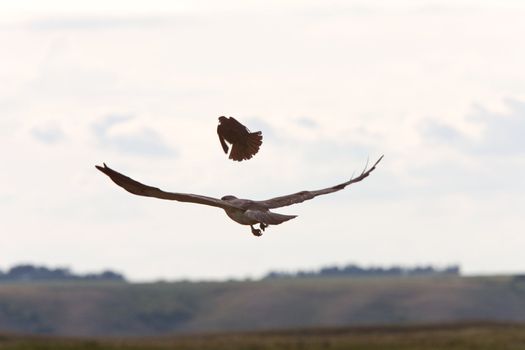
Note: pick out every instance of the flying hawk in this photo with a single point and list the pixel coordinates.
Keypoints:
(245, 144)
(243, 211)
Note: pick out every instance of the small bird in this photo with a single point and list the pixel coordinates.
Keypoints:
(245, 144)
(243, 211)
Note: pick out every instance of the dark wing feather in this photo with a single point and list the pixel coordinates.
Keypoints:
(225, 147)
(236, 125)
(302, 196)
(140, 189)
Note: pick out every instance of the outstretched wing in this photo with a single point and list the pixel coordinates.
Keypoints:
(302, 196)
(140, 189)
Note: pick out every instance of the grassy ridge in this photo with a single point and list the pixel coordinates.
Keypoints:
(119, 309)
(436, 337)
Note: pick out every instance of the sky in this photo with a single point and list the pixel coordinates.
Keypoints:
(438, 87)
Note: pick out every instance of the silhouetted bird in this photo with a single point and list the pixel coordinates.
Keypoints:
(245, 144)
(243, 211)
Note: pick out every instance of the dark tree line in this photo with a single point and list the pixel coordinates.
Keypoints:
(41, 273)
(357, 271)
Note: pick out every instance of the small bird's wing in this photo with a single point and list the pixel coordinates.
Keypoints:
(237, 125)
(140, 189)
(302, 196)
(244, 144)
(220, 132)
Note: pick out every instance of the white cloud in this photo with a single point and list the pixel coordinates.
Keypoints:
(143, 141)
(502, 133)
(48, 133)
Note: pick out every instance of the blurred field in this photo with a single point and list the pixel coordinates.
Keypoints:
(155, 309)
(435, 337)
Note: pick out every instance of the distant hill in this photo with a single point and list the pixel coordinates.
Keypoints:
(116, 308)
(28, 273)
(358, 271)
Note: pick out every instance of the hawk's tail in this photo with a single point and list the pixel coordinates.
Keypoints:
(268, 217)
(246, 148)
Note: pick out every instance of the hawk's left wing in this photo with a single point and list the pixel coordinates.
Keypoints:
(140, 189)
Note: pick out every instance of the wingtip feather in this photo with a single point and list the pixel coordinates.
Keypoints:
(103, 168)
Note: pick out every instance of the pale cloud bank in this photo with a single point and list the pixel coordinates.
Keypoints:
(328, 87)
(501, 133)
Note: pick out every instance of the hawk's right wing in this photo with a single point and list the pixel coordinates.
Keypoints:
(302, 196)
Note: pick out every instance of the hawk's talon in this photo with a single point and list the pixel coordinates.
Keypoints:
(263, 226)
(255, 231)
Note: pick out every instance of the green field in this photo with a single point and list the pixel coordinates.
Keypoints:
(435, 337)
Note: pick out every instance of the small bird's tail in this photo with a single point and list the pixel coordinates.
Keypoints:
(247, 148)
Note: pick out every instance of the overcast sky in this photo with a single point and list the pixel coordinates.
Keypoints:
(436, 86)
